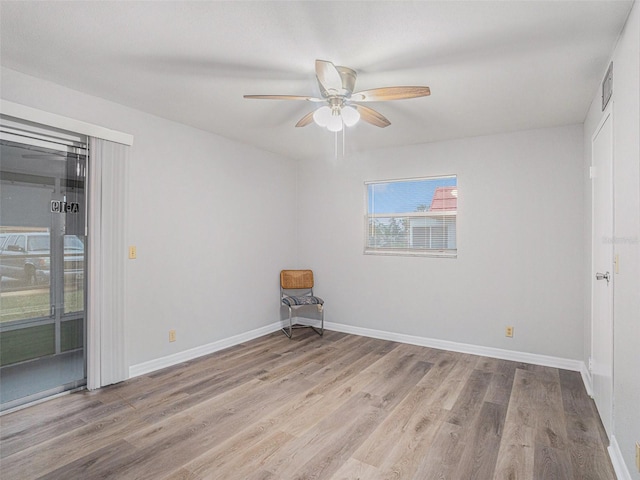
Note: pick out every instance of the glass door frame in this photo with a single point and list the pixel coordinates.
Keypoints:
(69, 146)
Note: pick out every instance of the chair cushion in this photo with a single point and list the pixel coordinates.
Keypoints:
(302, 300)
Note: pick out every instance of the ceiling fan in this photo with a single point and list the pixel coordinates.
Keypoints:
(342, 104)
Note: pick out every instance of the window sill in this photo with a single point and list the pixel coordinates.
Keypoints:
(413, 253)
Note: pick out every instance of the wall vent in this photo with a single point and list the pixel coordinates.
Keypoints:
(607, 86)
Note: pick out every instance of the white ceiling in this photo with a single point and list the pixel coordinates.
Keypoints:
(492, 66)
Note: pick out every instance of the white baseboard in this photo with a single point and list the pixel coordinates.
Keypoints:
(622, 472)
(544, 360)
(170, 360)
(586, 379)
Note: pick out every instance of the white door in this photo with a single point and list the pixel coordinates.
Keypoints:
(602, 271)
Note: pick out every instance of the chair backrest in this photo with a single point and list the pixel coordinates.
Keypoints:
(296, 279)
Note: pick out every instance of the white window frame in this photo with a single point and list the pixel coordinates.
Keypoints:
(421, 252)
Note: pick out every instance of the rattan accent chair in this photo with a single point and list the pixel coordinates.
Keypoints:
(296, 290)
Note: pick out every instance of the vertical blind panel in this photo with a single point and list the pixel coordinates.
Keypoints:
(108, 163)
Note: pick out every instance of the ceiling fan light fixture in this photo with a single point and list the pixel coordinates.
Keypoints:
(350, 116)
(322, 116)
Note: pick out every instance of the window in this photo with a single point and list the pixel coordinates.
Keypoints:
(22, 243)
(412, 217)
(39, 243)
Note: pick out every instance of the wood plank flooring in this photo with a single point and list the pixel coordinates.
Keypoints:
(338, 407)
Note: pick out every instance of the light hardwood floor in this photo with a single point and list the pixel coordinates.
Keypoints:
(336, 407)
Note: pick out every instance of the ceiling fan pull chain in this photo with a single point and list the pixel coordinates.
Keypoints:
(344, 135)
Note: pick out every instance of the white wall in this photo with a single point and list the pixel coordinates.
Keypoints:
(626, 125)
(520, 244)
(211, 219)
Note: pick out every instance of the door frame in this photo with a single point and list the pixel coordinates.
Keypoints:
(35, 139)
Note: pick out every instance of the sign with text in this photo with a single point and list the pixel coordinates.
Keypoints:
(58, 206)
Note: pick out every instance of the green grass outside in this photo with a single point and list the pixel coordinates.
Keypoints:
(36, 304)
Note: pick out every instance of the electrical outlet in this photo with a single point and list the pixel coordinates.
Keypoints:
(638, 456)
(172, 335)
(508, 332)
(133, 253)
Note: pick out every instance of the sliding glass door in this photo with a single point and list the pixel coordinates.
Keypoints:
(42, 266)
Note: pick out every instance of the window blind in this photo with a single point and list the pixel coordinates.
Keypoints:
(412, 216)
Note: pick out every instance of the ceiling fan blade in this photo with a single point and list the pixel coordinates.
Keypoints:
(389, 93)
(369, 115)
(306, 120)
(328, 77)
(284, 97)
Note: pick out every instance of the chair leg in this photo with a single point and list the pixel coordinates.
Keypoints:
(290, 332)
(290, 322)
(321, 331)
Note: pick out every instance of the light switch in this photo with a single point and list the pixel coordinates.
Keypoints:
(132, 252)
